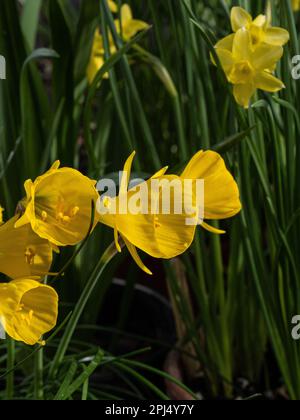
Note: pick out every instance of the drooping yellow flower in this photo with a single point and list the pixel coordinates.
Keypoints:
(260, 30)
(167, 234)
(23, 252)
(296, 5)
(1, 215)
(58, 205)
(221, 192)
(28, 309)
(248, 69)
(127, 27)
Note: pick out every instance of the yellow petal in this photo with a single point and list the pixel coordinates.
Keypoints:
(226, 60)
(212, 229)
(112, 5)
(1, 215)
(126, 174)
(116, 238)
(240, 18)
(130, 30)
(133, 252)
(242, 47)
(160, 173)
(126, 14)
(260, 21)
(226, 43)
(129, 26)
(266, 56)
(268, 82)
(55, 165)
(94, 66)
(276, 36)
(221, 193)
(22, 221)
(243, 94)
(27, 186)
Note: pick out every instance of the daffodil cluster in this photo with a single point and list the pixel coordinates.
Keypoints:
(127, 27)
(250, 54)
(56, 212)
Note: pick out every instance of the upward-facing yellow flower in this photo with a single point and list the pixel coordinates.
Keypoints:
(23, 252)
(260, 30)
(167, 235)
(28, 309)
(58, 205)
(127, 27)
(296, 5)
(246, 68)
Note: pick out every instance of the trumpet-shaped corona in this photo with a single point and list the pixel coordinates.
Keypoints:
(58, 205)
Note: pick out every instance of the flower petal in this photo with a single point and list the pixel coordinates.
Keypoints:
(260, 21)
(133, 252)
(23, 252)
(126, 14)
(239, 18)
(243, 94)
(226, 43)
(268, 82)
(226, 60)
(266, 56)
(126, 174)
(212, 229)
(276, 36)
(242, 46)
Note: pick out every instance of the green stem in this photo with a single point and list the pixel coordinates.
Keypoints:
(38, 375)
(79, 308)
(10, 367)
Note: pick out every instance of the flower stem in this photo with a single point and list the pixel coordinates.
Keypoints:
(10, 367)
(38, 375)
(92, 282)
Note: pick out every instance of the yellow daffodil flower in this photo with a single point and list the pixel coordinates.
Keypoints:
(23, 252)
(168, 235)
(128, 27)
(58, 205)
(246, 68)
(97, 58)
(296, 5)
(1, 215)
(28, 309)
(260, 29)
